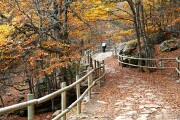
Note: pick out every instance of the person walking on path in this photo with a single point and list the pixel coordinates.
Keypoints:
(104, 47)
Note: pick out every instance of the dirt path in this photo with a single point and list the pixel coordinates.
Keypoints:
(129, 94)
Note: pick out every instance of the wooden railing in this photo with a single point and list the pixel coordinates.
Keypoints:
(88, 53)
(178, 66)
(97, 70)
(159, 62)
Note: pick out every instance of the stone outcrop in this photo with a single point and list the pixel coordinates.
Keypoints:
(170, 45)
(128, 49)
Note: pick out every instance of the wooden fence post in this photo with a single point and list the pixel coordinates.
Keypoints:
(88, 57)
(114, 52)
(30, 108)
(129, 61)
(78, 93)
(178, 66)
(90, 79)
(103, 69)
(95, 66)
(121, 61)
(63, 100)
(91, 64)
(99, 72)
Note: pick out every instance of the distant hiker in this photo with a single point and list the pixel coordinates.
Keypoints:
(104, 46)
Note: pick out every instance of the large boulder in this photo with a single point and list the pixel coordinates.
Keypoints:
(170, 45)
(120, 47)
(130, 49)
(127, 47)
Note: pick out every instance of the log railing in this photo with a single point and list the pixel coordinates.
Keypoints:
(178, 66)
(87, 54)
(160, 62)
(98, 70)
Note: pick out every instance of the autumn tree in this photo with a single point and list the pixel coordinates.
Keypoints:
(39, 39)
(44, 40)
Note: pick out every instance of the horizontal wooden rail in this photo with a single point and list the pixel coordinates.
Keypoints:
(178, 66)
(178, 60)
(78, 100)
(42, 99)
(178, 71)
(145, 66)
(128, 57)
(120, 60)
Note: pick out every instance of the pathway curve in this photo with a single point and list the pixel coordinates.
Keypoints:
(129, 94)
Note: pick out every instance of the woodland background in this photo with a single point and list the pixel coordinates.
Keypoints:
(43, 41)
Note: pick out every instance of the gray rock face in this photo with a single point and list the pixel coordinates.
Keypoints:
(170, 45)
(127, 47)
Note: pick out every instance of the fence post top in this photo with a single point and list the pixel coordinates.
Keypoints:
(63, 84)
(77, 76)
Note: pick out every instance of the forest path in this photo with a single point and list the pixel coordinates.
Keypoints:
(129, 94)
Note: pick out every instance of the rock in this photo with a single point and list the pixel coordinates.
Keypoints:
(126, 108)
(146, 112)
(56, 113)
(152, 106)
(126, 50)
(153, 109)
(102, 102)
(22, 92)
(127, 47)
(85, 99)
(83, 116)
(130, 113)
(170, 45)
(93, 93)
(128, 104)
(159, 116)
(143, 117)
(119, 103)
(141, 107)
(120, 47)
(177, 81)
(149, 94)
(22, 84)
(73, 118)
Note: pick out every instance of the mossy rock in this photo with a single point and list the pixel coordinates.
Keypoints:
(127, 47)
(169, 45)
